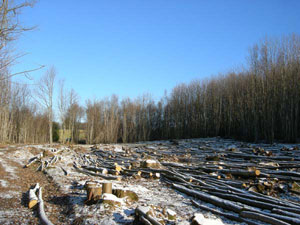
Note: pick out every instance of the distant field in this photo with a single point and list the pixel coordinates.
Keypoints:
(68, 135)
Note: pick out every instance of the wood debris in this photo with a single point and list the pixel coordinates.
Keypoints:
(242, 182)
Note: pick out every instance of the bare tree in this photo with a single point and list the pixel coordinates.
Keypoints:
(44, 92)
(62, 108)
(10, 30)
(73, 116)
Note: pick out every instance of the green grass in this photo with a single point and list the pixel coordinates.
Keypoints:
(68, 134)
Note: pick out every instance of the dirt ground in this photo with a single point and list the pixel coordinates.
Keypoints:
(15, 181)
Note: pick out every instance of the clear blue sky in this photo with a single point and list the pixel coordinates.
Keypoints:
(131, 47)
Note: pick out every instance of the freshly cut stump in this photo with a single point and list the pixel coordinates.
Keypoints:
(150, 163)
(171, 215)
(107, 188)
(94, 192)
(118, 168)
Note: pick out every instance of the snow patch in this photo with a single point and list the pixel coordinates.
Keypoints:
(4, 183)
(21, 156)
(171, 212)
(118, 149)
(111, 197)
(200, 219)
(10, 194)
(8, 168)
(151, 161)
(152, 147)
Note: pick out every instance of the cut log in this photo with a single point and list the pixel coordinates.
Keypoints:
(242, 173)
(285, 213)
(42, 214)
(261, 217)
(106, 177)
(42, 166)
(31, 162)
(225, 204)
(103, 171)
(33, 199)
(144, 221)
(255, 203)
(52, 161)
(65, 171)
(227, 215)
(142, 211)
(34, 159)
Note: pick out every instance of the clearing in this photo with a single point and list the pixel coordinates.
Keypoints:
(207, 180)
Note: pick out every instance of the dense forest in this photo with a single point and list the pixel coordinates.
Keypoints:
(259, 102)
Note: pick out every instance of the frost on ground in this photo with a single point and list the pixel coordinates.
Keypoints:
(138, 164)
(8, 168)
(15, 182)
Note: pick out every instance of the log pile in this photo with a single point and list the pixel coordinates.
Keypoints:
(253, 184)
(45, 161)
(243, 183)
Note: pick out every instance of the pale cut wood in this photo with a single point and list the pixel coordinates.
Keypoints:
(33, 199)
(42, 166)
(34, 159)
(93, 193)
(103, 171)
(107, 188)
(142, 211)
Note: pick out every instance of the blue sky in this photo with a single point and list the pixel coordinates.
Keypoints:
(131, 47)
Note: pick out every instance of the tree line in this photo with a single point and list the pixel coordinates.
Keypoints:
(20, 120)
(259, 102)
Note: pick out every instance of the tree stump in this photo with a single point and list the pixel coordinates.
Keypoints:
(111, 200)
(107, 188)
(130, 195)
(150, 163)
(118, 168)
(94, 192)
